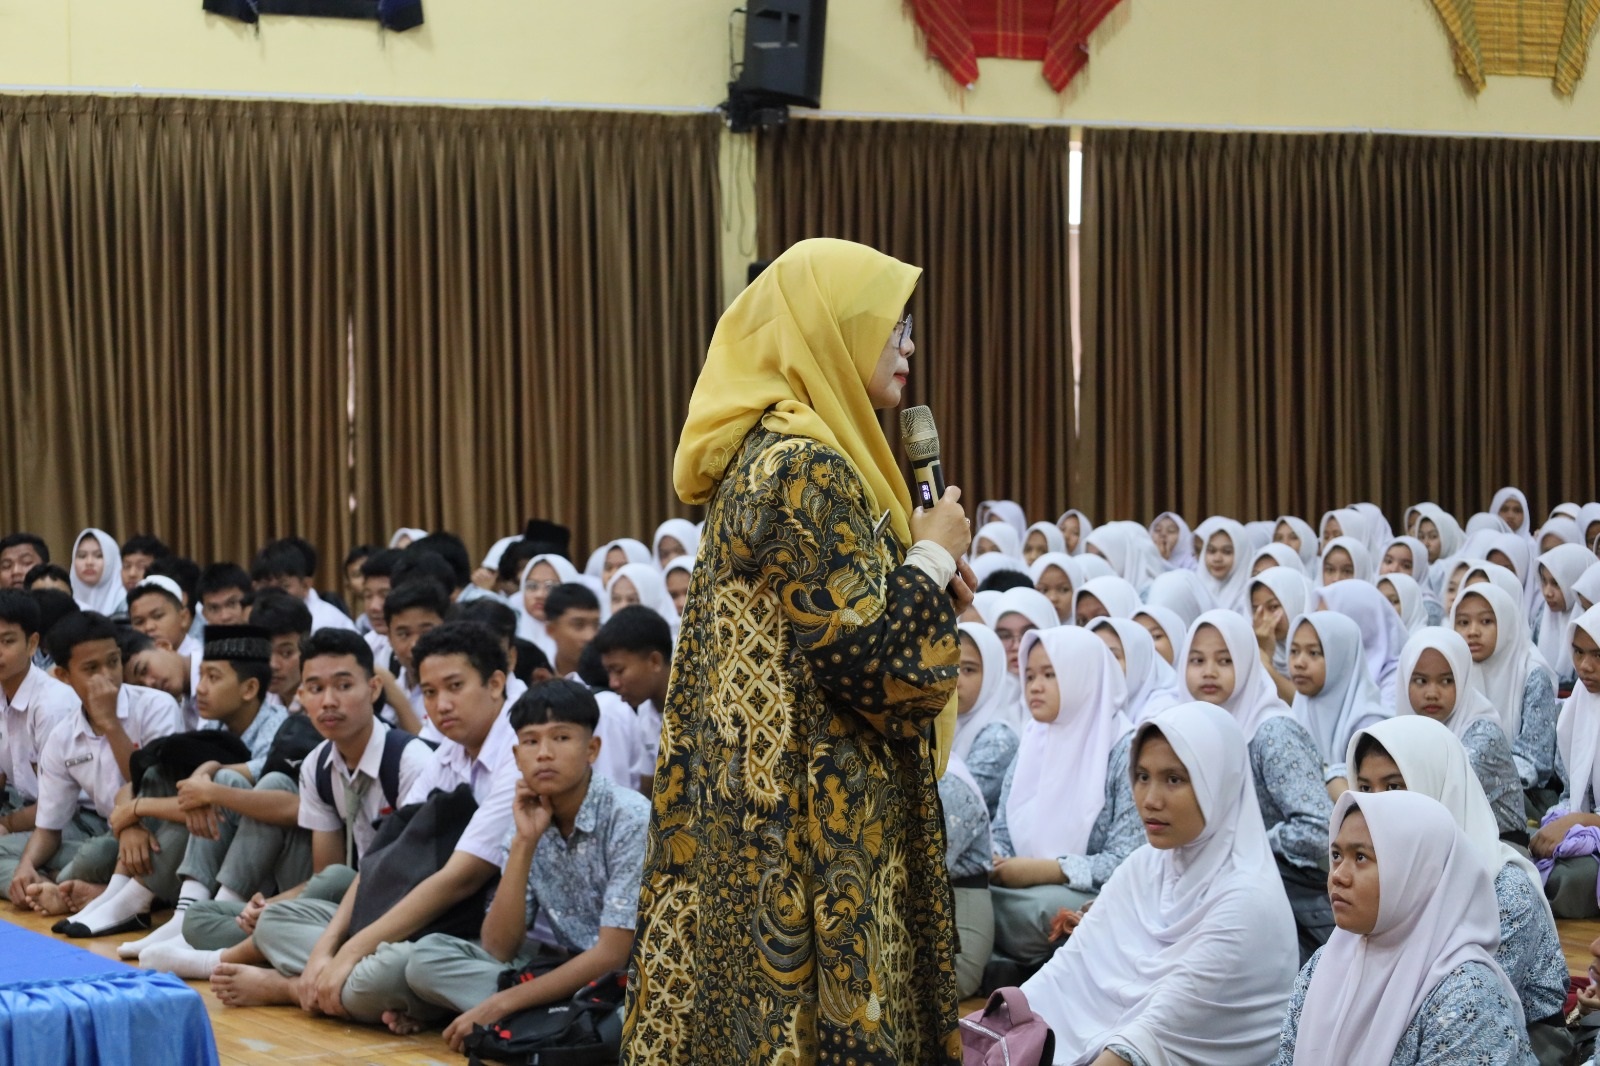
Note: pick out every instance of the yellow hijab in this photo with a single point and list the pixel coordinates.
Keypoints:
(795, 352)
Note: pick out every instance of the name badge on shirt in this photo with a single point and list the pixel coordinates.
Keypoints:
(79, 760)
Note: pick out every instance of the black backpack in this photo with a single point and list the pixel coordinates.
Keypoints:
(585, 1030)
(394, 748)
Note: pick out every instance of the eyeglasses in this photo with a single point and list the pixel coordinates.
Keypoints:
(902, 331)
(540, 586)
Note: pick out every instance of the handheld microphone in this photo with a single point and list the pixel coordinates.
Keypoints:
(921, 441)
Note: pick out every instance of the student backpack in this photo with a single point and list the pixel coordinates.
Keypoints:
(1006, 1031)
(394, 749)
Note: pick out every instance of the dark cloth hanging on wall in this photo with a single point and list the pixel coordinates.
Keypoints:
(390, 14)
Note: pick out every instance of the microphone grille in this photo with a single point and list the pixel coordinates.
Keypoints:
(918, 434)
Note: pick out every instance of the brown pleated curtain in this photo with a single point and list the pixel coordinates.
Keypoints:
(199, 294)
(1285, 324)
(983, 210)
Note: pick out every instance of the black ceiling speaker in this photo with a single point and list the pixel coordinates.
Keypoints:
(783, 52)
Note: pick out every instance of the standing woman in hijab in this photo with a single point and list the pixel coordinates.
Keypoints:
(97, 573)
(794, 904)
(1410, 977)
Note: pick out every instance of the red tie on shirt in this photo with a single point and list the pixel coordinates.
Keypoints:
(1056, 31)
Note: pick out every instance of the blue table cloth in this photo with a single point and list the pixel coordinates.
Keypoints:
(61, 1004)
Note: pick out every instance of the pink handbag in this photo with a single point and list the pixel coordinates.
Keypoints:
(1006, 1033)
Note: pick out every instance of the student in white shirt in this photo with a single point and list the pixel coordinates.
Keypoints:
(284, 564)
(90, 754)
(635, 647)
(412, 609)
(288, 624)
(572, 619)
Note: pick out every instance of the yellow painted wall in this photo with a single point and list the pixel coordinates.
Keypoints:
(1261, 63)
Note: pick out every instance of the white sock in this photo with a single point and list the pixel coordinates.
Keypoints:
(179, 958)
(116, 885)
(133, 900)
(228, 895)
(190, 892)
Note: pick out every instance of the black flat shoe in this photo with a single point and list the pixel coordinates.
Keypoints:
(61, 926)
(79, 931)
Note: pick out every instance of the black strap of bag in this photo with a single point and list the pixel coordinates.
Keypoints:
(585, 1030)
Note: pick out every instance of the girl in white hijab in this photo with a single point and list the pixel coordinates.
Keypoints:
(1094, 566)
(1042, 538)
(988, 726)
(1335, 695)
(997, 537)
(1556, 532)
(677, 574)
(1345, 522)
(97, 573)
(1570, 883)
(1408, 556)
(1184, 593)
(1589, 523)
(1510, 505)
(1298, 535)
(612, 556)
(1486, 523)
(1277, 597)
(1408, 600)
(1186, 957)
(1587, 588)
(1435, 672)
(1224, 569)
(1422, 756)
(1382, 635)
(1008, 511)
(1066, 818)
(1276, 554)
(1166, 628)
(1438, 531)
(1557, 571)
(639, 583)
(1017, 612)
(1219, 664)
(1517, 553)
(1259, 534)
(988, 564)
(1379, 532)
(1058, 577)
(404, 536)
(1174, 541)
(1410, 976)
(542, 574)
(675, 538)
(1104, 597)
(1345, 559)
(1509, 670)
(1152, 684)
(1075, 527)
(1130, 551)
(1493, 574)
(986, 605)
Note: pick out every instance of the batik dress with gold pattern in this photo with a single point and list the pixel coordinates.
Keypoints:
(794, 906)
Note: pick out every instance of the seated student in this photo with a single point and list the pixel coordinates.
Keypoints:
(1562, 844)
(1152, 686)
(97, 573)
(285, 565)
(287, 622)
(1558, 571)
(1066, 818)
(48, 576)
(411, 611)
(158, 608)
(541, 575)
(355, 586)
(569, 894)
(1410, 976)
(987, 733)
(1335, 695)
(184, 573)
(1520, 685)
(54, 605)
(1277, 596)
(359, 773)
(20, 553)
(1187, 957)
(1418, 755)
(377, 578)
(1220, 665)
(1057, 576)
(676, 538)
(635, 647)
(968, 858)
(457, 575)
(32, 703)
(224, 592)
(224, 827)
(572, 620)
(146, 663)
(89, 755)
(138, 552)
(315, 961)
(502, 622)
(1434, 668)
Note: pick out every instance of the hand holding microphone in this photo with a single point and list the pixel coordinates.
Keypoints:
(938, 516)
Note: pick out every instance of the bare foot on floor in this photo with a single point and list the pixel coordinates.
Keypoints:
(69, 897)
(400, 1023)
(251, 986)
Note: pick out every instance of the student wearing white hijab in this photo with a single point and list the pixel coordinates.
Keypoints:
(1558, 531)
(1557, 571)
(1008, 511)
(539, 578)
(1379, 532)
(1335, 694)
(403, 537)
(96, 573)
(1130, 551)
(1259, 534)
(1094, 566)
(988, 564)
(1152, 684)
(1345, 522)
(1066, 818)
(997, 537)
(1382, 635)
(1174, 541)
(986, 606)
(1224, 569)
(1570, 884)
(1166, 629)
(1104, 597)
(1435, 672)
(1408, 600)
(1587, 588)
(1075, 527)
(675, 538)
(1441, 535)
(1183, 592)
(1494, 574)
(1276, 554)
(1058, 577)
(1568, 509)
(1277, 596)
(1345, 559)
(1408, 556)
(1516, 553)
(1519, 684)
(610, 557)
(1042, 538)
(988, 725)
(1484, 522)
(639, 583)
(1589, 523)
(1417, 755)
(1186, 958)
(969, 850)
(1016, 612)
(1510, 505)
(1410, 976)
(1219, 664)
(677, 574)
(1298, 535)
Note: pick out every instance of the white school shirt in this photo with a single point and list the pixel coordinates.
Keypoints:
(622, 746)
(382, 650)
(493, 776)
(325, 615)
(26, 721)
(650, 720)
(321, 817)
(429, 732)
(75, 758)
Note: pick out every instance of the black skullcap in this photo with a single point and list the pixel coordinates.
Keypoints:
(250, 644)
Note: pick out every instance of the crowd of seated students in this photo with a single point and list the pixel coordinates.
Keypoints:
(1190, 764)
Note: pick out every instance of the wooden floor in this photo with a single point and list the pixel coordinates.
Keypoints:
(279, 1036)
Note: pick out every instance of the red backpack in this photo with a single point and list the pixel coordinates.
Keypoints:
(1006, 1032)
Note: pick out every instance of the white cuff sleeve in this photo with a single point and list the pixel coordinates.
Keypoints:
(933, 559)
